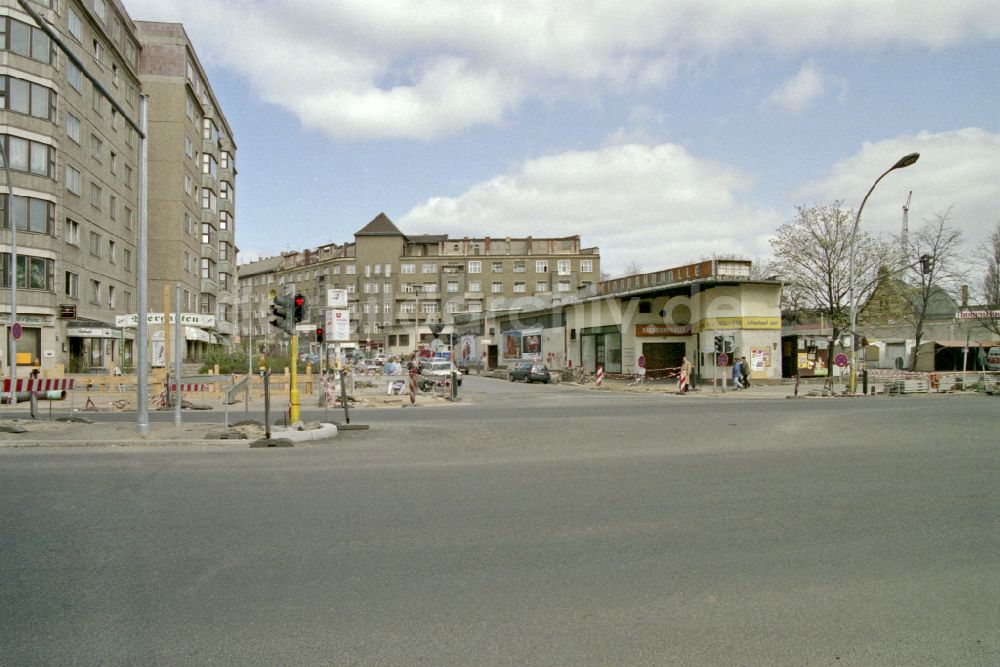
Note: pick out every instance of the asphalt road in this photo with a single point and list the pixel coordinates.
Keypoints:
(528, 525)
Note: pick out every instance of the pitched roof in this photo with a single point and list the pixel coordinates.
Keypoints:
(381, 225)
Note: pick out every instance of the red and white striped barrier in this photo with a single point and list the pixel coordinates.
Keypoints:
(190, 387)
(39, 384)
(600, 375)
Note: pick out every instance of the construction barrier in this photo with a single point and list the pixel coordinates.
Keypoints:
(600, 376)
(38, 384)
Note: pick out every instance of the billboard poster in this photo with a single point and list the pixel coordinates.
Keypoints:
(467, 349)
(512, 345)
(531, 345)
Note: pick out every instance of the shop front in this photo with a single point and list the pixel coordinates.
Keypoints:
(98, 348)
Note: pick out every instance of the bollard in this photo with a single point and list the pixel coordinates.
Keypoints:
(413, 386)
(600, 376)
(864, 382)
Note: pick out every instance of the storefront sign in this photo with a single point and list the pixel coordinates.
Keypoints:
(67, 311)
(187, 319)
(662, 329)
(92, 332)
(741, 323)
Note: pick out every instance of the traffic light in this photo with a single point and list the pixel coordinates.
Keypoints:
(319, 334)
(926, 263)
(719, 345)
(281, 308)
(728, 345)
(300, 308)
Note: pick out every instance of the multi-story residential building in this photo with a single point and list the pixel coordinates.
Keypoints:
(74, 164)
(398, 285)
(192, 177)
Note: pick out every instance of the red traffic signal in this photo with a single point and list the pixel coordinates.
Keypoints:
(319, 334)
(300, 308)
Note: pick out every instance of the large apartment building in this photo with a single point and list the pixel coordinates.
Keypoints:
(398, 284)
(74, 166)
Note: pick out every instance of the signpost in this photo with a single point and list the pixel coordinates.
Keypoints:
(16, 331)
(841, 360)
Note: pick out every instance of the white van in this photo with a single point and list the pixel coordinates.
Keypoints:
(993, 359)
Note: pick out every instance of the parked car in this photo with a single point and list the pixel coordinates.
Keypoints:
(438, 370)
(530, 373)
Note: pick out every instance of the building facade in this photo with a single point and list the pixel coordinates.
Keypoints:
(399, 286)
(74, 166)
(192, 193)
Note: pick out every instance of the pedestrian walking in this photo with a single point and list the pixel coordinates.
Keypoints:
(34, 393)
(744, 372)
(737, 373)
(684, 377)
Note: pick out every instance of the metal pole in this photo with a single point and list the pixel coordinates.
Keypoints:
(9, 222)
(293, 391)
(142, 365)
(177, 357)
(905, 161)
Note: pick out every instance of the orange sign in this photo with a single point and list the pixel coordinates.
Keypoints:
(663, 330)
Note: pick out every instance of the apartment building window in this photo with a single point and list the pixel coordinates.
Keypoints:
(474, 286)
(96, 147)
(114, 82)
(71, 232)
(111, 296)
(475, 267)
(541, 286)
(563, 267)
(223, 251)
(97, 101)
(74, 77)
(225, 219)
(541, 266)
(207, 304)
(98, 52)
(127, 259)
(352, 288)
(127, 215)
(96, 194)
(387, 287)
(32, 157)
(209, 130)
(454, 307)
(407, 269)
(189, 106)
(25, 40)
(497, 267)
(224, 281)
(32, 272)
(186, 265)
(519, 266)
(25, 97)
(520, 287)
(188, 147)
(131, 97)
(127, 302)
(112, 247)
(387, 308)
(225, 160)
(114, 162)
(452, 286)
(112, 207)
(407, 308)
(207, 268)
(351, 269)
(72, 285)
(209, 165)
(336, 269)
(75, 25)
(430, 267)
(100, 10)
(95, 291)
(29, 214)
(586, 266)
(475, 307)
(429, 288)
(73, 127)
(428, 307)
(95, 244)
(207, 233)
(564, 286)
(226, 192)
(368, 270)
(209, 200)
(131, 52)
(497, 288)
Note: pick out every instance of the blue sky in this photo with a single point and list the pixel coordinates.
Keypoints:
(661, 132)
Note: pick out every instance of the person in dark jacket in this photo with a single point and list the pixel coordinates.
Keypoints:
(744, 372)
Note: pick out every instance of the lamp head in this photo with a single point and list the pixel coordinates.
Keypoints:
(906, 160)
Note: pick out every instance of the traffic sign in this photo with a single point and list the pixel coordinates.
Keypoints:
(723, 359)
(841, 360)
(642, 361)
(15, 331)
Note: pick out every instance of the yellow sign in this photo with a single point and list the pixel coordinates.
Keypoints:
(740, 323)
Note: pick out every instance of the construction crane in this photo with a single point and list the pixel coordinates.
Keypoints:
(906, 220)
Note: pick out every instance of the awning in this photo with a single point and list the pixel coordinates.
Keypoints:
(193, 333)
(92, 332)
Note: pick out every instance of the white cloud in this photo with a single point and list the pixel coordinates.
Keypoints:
(799, 92)
(655, 205)
(401, 68)
(959, 170)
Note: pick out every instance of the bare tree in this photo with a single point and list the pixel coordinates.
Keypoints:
(932, 271)
(812, 256)
(989, 257)
(632, 269)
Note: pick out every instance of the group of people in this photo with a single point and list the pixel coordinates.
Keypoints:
(741, 373)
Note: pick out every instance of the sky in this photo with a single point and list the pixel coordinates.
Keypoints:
(660, 132)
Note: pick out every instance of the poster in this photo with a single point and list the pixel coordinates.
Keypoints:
(760, 359)
(532, 346)
(467, 349)
(512, 345)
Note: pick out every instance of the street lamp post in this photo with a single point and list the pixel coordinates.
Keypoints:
(904, 161)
